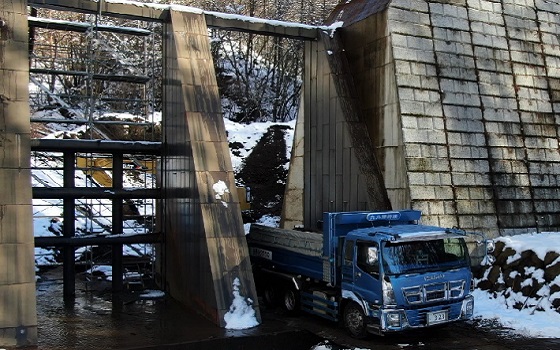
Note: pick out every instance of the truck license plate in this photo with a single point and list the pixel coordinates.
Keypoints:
(437, 317)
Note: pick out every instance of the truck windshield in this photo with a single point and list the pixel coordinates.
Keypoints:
(424, 256)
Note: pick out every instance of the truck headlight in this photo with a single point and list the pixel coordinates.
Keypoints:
(469, 307)
(388, 293)
(394, 319)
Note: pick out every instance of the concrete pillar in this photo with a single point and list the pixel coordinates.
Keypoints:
(18, 315)
(293, 206)
(206, 253)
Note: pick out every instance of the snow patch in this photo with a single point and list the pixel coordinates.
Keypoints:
(152, 294)
(220, 188)
(241, 314)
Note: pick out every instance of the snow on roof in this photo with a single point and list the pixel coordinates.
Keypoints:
(403, 233)
(87, 26)
(183, 8)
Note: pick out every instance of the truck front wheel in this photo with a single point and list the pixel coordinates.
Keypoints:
(355, 320)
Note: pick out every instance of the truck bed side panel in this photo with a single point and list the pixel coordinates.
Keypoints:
(287, 250)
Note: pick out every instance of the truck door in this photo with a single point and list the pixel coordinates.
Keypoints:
(367, 282)
(347, 269)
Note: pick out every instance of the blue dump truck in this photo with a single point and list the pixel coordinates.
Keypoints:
(375, 272)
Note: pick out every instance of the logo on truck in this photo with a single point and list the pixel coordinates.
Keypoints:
(261, 253)
(391, 216)
(434, 277)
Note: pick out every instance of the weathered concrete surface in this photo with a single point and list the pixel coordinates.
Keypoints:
(461, 99)
(292, 207)
(18, 319)
(205, 249)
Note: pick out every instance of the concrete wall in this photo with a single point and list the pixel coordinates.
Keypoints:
(292, 207)
(367, 45)
(461, 99)
(478, 85)
(18, 319)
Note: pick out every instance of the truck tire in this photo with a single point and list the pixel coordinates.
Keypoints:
(291, 300)
(355, 320)
(270, 295)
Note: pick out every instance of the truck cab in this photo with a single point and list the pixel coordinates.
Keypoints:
(406, 276)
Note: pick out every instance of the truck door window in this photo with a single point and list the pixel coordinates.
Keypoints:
(349, 253)
(367, 257)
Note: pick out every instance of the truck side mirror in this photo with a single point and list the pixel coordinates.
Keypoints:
(373, 261)
(490, 246)
(372, 256)
(248, 196)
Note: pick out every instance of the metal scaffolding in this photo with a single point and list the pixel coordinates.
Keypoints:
(95, 87)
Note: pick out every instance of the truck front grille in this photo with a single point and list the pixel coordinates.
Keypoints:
(434, 292)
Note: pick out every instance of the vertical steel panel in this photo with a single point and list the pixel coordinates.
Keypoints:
(341, 169)
(117, 224)
(69, 229)
(309, 91)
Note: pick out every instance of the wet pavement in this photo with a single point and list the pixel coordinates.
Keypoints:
(99, 320)
(95, 321)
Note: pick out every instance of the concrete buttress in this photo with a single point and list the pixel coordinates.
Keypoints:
(18, 316)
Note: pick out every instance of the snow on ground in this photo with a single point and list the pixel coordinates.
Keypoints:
(249, 134)
(529, 323)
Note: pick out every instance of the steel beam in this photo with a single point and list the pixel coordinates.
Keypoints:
(160, 13)
(80, 241)
(83, 27)
(95, 193)
(96, 146)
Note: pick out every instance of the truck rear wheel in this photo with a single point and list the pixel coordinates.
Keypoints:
(291, 300)
(270, 295)
(355, 320)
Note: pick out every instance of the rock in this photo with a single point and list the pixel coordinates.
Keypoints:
(502, 258)
(494, 273)
(503, 277)
(550, 257)
(499, 247)
(531, 290)
(529, 258)
(484, 285)
(551, 272)
(554, 288)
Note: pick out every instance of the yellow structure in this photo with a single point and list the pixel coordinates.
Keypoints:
(97, 167)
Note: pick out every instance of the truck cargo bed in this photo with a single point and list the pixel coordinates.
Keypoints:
(294, 251)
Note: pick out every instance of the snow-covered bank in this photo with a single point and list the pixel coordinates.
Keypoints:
(521, 289)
